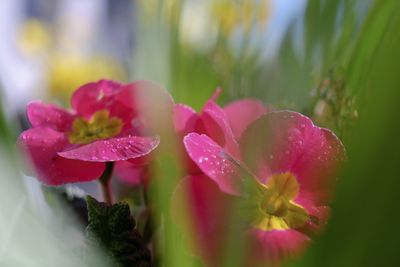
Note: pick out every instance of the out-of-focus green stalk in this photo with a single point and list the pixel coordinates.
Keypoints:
(170, 244)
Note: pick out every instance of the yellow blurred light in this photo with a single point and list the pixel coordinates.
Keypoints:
(230, 15)
(34, 37)
(169, 10)
(69, 72)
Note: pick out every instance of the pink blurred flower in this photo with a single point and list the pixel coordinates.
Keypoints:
(283, 178)
(223, 125)
(241, 113)
(109, 122)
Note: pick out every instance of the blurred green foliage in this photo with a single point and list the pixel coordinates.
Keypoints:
(364, 227)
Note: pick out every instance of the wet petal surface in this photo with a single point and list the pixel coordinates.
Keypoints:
(42, 144)
(213, 161)
(286, 141)
(217, 127)
(114, 149)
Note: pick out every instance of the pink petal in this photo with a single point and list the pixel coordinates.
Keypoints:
(288, 141)
(42, 144)
(243, 112)
(142, 91)
(104, 95)
(130, 173)
(113, 149)
(213, 161)
(152, 104)
(90, 97)
(208, 211)
(272, 247)
(184, 118)
(40, 114)
(216, 125)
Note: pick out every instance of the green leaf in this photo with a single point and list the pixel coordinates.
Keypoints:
(113, 229)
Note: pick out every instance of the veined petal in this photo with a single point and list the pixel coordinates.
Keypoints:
(41, 114)
(271, 247)
(42, 144)
(242, 113)
(113, 149)
(285, 141)
(213, 161)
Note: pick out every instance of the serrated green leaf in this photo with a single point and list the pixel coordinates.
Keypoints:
(113, 229)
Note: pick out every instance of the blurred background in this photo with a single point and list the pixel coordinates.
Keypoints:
(336, 61)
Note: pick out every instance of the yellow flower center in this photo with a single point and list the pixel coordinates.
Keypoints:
(273, 207)
(100, 126)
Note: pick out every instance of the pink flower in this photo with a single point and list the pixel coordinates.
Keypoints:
(223, 125)
(109, 122)
(134, 172)
(241, 113)
(283, 177)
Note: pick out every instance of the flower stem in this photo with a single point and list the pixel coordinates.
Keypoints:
(105, 182)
